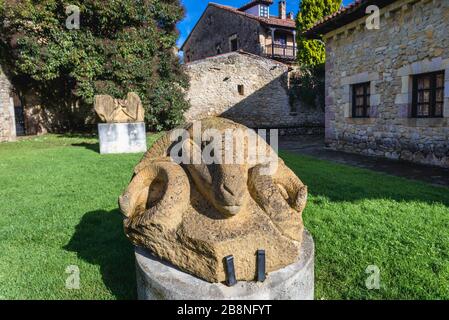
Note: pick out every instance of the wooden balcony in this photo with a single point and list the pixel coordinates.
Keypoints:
(280, 52)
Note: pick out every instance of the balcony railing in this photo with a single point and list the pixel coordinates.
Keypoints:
(280, 51)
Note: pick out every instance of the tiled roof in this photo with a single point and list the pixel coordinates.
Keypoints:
(271, 21)
(255, 2)
(343, 16)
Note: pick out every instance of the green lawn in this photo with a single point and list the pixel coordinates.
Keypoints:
(58, 200)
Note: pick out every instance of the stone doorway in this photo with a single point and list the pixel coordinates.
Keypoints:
(19, 115)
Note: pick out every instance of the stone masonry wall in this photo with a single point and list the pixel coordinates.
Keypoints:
(7, 122)
(264, 101)
(412, 40)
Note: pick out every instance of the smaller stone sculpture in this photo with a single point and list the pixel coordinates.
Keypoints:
(112, 110)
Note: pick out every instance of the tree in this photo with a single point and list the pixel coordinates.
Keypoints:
(120, 46)
(309, 84)
(311, 53)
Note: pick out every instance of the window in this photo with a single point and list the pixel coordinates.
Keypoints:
(234, 43)
(263, 11)
(241, 89)
(209, 20)
(428, 95)
(360, 100)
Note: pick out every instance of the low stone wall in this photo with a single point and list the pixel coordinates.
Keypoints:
(412, 40)
(306, 130)
(302, 131)
(248, 89)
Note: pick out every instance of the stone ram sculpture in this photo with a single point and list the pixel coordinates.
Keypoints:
(194, 215)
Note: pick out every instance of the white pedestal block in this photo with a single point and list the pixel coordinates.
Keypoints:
(122, 137)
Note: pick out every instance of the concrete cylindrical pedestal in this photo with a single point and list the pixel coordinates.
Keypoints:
(122, 137)
(159, 280)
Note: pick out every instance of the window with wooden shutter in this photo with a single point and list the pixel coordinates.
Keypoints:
(428, 95)
(361, 100)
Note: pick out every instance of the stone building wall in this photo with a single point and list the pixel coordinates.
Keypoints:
(263, 100)
(214, 30)
(7, 121)
(412, 40)
(36, 120)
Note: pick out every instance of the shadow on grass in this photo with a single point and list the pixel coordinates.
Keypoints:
(99, 239)
(79, 135)
(344, 183)
(95, 147)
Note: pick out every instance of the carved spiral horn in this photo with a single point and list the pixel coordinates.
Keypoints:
(157, 195)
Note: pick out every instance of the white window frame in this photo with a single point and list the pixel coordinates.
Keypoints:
(264, 11)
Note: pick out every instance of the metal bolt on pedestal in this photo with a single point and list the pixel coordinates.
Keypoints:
(261, 265)
(230, 271)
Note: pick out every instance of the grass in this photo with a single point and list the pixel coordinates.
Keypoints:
(361, 218)
(58, 207)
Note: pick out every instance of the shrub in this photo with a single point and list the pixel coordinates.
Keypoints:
(121, 46)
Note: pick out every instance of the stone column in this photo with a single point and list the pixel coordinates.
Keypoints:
(294, 43)
(12, 119)
(272, 41)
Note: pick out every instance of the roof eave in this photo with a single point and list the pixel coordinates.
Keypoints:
(350, 15)
(277, 25)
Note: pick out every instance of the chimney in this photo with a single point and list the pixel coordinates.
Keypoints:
(282, 10)
(290, 16)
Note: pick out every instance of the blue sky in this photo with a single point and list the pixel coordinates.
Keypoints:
(194, 9)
